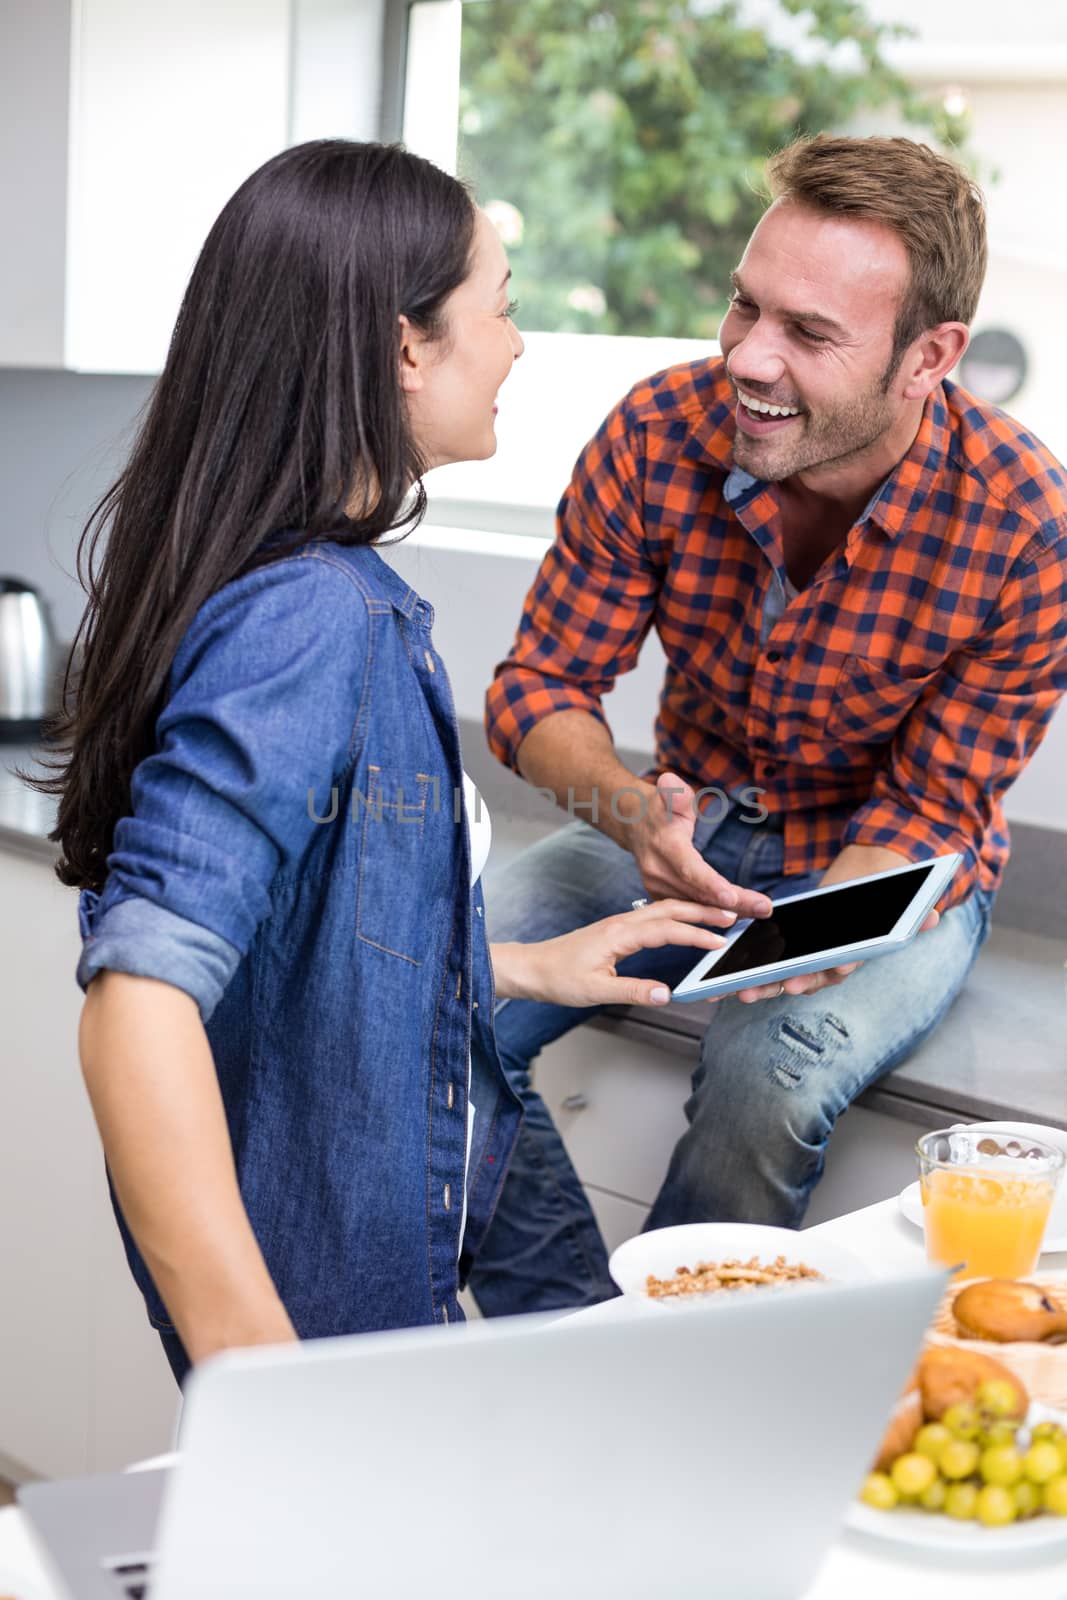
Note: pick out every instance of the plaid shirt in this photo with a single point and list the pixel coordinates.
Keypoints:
(891, 702)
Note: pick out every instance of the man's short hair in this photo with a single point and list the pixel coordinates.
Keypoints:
(930, 203)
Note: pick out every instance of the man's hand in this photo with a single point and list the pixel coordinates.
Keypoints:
(661, 841)
(578, 969)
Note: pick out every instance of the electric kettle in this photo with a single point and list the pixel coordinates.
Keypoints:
(28, 662)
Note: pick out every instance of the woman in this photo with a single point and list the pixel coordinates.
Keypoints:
(289, 997)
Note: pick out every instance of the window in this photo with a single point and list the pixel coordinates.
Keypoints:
(618, 144)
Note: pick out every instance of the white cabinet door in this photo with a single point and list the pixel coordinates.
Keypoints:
(618, 1106)
(48, 1160)
(174, 106)
(126, 128)
(617, 1219)
(83, 1382)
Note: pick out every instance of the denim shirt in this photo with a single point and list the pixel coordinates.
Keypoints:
(296, 860)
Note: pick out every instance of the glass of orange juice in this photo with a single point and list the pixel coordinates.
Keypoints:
(986, 1199)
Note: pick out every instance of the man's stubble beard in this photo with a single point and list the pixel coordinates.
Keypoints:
(836, 438)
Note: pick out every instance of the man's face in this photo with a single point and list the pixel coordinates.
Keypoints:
(810, 329)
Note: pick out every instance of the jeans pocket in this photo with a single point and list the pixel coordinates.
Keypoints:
(393, 859)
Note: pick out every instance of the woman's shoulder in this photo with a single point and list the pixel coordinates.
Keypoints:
(313, 590)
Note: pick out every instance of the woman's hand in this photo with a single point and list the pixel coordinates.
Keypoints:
(578, 969)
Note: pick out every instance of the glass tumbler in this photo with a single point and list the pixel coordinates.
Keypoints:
(986, 1199)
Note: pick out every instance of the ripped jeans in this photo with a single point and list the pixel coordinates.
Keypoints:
(772, 1079)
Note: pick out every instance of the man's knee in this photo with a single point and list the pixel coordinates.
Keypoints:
(778, 1065)
(784, 1041)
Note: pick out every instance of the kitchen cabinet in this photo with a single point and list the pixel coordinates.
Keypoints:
(618, 1103)
(83, 1382)
(126, 126)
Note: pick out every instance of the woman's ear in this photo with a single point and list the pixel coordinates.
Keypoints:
(412, 356)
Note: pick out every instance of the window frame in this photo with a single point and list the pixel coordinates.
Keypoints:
(483, 496)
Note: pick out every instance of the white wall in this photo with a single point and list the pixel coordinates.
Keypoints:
(63, 439)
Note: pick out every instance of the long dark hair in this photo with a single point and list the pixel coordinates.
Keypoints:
(278, 420)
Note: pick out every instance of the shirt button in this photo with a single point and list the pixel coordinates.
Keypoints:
(769, 769)
(762, 744)
(774, 655)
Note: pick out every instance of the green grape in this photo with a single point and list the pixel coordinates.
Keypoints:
(912, 1473)
(933, 1498)
(879, 1491)
(961, 1501)
(996, 1506)
(963, 1421)
(1054, 1495)
(1051, 1433)
(1027, 1498)
(998, 1397)
(1042, 1461)
(1002, 1465)
(998, 1433)
(931, 1438)
(958, 1459)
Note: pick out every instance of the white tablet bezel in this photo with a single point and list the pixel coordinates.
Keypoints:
(700, 983)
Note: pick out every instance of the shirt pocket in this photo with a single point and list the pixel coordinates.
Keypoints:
(394, 862)
(871, 701)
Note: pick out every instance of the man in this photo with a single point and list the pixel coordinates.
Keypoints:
(858, 574)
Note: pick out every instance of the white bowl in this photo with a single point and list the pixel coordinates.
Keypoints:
(661, 1253)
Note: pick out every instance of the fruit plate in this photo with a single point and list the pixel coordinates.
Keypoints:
(927, 1530)
(909, 1200)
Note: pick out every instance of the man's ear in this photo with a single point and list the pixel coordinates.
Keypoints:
(412, 356)
(932, 357)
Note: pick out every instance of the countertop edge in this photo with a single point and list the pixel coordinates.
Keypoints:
(19, 842)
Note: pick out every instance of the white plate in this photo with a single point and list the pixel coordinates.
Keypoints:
(930, 1530)
(664, 1251)
(910, 1203)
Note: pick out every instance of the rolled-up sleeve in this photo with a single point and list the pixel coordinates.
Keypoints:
(591, 603)
(974, 730)
(143, 939)
(259, 723)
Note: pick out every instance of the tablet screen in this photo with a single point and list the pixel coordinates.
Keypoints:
(855, 912)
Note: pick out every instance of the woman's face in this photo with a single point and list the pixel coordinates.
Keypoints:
(451, 384)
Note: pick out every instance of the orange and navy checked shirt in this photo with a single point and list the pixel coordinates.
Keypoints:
(891, 702)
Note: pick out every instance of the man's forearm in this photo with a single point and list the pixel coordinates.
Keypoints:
(571, 753)
(860, 860)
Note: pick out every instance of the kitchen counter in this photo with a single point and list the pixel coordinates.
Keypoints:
(26, 817)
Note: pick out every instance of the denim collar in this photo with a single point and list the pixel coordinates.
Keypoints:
(377, 575)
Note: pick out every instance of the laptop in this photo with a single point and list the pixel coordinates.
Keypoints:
(642, 1449)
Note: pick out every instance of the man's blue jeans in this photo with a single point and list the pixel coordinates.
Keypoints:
(772, 1080)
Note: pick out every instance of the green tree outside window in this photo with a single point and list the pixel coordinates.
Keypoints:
(621, 147)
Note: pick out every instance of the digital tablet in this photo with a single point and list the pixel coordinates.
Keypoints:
(852, 921)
